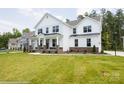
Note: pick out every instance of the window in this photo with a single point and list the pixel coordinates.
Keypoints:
(54, 42)
(76, 42)
(88, 42)
(87, 29)
(39, 31)
(47, 30)
(55, 28)
(74, 30)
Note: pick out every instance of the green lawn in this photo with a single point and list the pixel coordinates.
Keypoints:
(25, 68)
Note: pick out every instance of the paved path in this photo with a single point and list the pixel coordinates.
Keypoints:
(65, 54)
(118, 53)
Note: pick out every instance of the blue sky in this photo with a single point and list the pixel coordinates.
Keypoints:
(28, 17)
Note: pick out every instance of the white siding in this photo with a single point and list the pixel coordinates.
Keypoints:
(95, 26)
(82, 40)
(66, 41)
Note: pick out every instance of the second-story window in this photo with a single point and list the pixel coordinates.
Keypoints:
(55, 29)
(87, 29)
(47, 30)
(74, 30)
(39, 31)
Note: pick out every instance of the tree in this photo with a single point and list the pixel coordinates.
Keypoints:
(93, 13)
(4, 38)
(119, 21)
(26, 30)
(112, 23)
(16, 33)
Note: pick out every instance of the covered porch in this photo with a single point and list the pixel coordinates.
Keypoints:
(50, 43)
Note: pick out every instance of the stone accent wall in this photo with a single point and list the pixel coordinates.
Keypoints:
(50, 50)
(82, 49)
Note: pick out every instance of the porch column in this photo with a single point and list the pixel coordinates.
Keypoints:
(29, 47)
(44, 41)
(57, 40)
(39, 43)
(44, 45)
(29, 42)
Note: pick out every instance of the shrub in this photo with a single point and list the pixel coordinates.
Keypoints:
(94, 49)
(24, 49)
(102, 51)
(85, 51)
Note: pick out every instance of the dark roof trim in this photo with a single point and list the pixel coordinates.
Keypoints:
(50, 34)
(74, 35)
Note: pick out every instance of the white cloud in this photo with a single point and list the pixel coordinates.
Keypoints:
(6, 26)
(34, 13)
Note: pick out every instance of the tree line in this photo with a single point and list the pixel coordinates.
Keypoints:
(4, 38)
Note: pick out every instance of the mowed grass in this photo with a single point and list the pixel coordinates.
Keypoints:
(85, 69)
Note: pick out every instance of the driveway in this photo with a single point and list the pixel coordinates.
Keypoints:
(118, 53)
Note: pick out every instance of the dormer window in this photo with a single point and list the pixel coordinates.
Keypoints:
(39, 31)
(74, 30)
(87, 29)
(47, 30)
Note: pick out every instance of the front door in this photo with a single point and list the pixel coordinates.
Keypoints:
(47, 43)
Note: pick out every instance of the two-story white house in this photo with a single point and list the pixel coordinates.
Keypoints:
(53, 35)
(75, 36)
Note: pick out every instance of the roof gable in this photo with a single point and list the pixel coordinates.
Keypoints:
(53, 18)
(93, 19)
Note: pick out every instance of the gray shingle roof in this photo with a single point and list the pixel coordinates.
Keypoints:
(96, 18)
(75, 22)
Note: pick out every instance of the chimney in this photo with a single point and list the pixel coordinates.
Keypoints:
(67, 20)
(80, 17)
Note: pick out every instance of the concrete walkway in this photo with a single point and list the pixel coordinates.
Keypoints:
(68, 54)
(118, 53)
